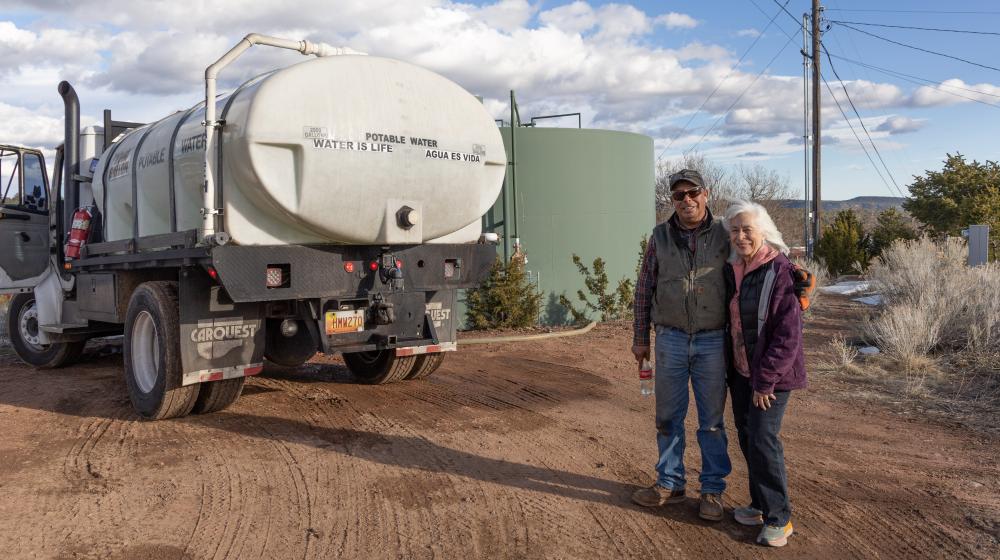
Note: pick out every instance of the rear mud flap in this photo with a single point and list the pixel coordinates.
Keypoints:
(440, 317)
(219, 339)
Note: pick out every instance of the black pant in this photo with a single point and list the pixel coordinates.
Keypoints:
(757, 431)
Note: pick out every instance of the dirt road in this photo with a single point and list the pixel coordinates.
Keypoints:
(509, 451)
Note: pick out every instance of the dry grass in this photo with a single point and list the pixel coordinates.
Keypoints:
(934, 302)
(938, 331)
(842, 358)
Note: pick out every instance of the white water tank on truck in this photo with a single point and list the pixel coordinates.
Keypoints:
(341, 149)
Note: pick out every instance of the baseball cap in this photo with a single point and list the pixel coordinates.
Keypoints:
(689, 175)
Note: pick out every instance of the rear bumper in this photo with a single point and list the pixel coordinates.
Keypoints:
(431, 349)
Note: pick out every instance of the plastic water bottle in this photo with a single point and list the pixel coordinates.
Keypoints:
(645, 378)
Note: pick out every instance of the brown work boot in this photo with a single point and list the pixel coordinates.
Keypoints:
(657, 495)
(711, 507)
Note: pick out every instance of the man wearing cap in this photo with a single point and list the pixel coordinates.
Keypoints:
(681, 290)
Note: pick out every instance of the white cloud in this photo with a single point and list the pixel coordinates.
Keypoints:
(897, 124)
(507, 15)
(619, 21)
(674, 20)
(31, 127)
(954, 91)
(749, 32)
(571, 18)
(701, 51)
(867, 94)
(72, 50)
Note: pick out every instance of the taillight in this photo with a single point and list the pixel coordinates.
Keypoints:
(399, 263)
(275, 277)
(373, 266)
(348, 267)
(213, 274)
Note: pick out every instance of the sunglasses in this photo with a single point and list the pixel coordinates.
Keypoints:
(690, 193)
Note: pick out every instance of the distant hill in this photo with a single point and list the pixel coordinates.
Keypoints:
(878, 203)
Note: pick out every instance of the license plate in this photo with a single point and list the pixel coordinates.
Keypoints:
(345, 321)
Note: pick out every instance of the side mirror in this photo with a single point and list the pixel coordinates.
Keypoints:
(37, 192)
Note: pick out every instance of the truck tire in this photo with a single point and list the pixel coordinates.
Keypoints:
(22, 325)
(288, 352)
(379, 367)
(426, 364)
(152, 354)
(218, 395)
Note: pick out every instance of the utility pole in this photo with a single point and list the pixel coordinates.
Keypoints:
(816, 132)
(806, 208)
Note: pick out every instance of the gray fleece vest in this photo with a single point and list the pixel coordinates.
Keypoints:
(690, 292)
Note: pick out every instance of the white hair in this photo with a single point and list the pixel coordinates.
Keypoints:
(760, 219)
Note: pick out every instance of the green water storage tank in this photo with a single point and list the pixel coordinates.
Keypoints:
(583, 191)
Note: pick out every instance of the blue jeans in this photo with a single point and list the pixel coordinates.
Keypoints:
(700, 359)
(758, 431)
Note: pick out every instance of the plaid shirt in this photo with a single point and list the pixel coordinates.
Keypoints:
(645, 285)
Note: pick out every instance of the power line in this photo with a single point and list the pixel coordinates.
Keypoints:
(919, 48)
(860, 120)
(737, 100)
(719, 85)
(761, 10)
(923, 81)
(913, 11)
(897, 72)
(862, 144)
(917, 28)
(785, 9)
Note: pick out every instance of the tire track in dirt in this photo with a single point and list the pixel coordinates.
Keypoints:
(419, 528)
(448, 486)
(89, 470)
(501, 389)
(831, 519)
(323, 510)
(236, 499)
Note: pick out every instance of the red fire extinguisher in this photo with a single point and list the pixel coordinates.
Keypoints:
(78, 234)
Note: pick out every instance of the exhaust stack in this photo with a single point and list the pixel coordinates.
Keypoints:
(71, 153)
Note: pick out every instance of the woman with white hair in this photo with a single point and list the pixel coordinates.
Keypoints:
(767, 361)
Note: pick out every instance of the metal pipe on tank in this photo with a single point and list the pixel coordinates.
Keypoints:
(71, 155)
(515, 121)
(208, 211)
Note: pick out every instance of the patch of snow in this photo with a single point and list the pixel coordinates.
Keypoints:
(846, 288)
(875, 299)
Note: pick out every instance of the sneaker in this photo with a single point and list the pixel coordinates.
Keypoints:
(749, 516)
(772, 535)
(657, 495)
(711, 507)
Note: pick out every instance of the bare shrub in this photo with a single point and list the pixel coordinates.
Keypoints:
(934, 303)
(905, 331)
(842, 358)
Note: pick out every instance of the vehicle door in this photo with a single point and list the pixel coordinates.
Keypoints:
(24, 217)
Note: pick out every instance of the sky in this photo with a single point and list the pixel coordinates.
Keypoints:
(722, 78)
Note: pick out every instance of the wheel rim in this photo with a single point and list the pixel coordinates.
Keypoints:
(145, 351)
(27, 324)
